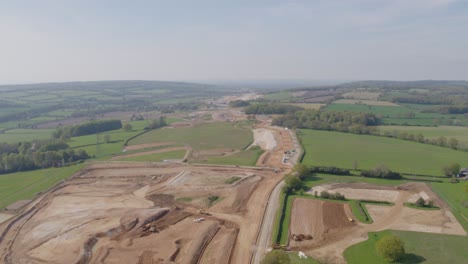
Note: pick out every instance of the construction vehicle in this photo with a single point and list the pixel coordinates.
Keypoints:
(350, 219)
(203, 212)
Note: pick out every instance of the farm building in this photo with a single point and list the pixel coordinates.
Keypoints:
(463, 172)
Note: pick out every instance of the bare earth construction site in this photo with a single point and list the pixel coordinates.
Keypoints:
(118, 212)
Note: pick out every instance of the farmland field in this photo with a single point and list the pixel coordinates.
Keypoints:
(205, 136)
(315, 106)
(460, 133)
(455, 195)
(370, 151)
(420, 248)
(395, 115)
(18, 135)
(364, 102)
(25, 185)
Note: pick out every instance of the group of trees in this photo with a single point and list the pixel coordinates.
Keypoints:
(239, 103)
(440, 141)
(330, 170)
(381, 171)
(269, 109)
(352, 122)
(157, 123)
(451, 170)
(37, 154)
(332, 196)
(87, 128)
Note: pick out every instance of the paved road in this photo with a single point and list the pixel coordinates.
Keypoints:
(264, 238)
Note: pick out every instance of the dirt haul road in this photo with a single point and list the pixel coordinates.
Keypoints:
(117, 212)
(264, 236)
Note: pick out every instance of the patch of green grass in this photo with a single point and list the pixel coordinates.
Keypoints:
(457, 132)
(157, 157)
(202, 137)
(370, 151)
(279, 96)
(244, 158)
(232, 180)
(392, 114)
(455, 196)
(420, 248)
(184, 199)
(294, 259)
(360, 212)
(19, 135)
(25, 185)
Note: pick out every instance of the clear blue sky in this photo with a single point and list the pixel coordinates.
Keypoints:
(199, 40)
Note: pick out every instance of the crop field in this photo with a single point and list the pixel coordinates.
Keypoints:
(18, 135)
(420, 248)
(460, 133)
(25, 185)
(205, 136)
(370, 151)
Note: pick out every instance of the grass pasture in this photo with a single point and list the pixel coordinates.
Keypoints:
(454, 194)
(19, 135)
(327, 148)
(364, 102)
(420, 248)
(460, 133)
(392, 115)
(25, 185)
(222, 135)
(315, 106)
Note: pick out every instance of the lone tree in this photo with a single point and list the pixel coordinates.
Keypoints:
(276, 257)
(127, 127)
(392, 248)
(451, 170)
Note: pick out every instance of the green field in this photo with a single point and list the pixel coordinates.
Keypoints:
(420, 248)
(158, 157)
(326, 148)
(19, 135)
(278, 97)
(393, 114)
(454, 194)
(244, 158)
(223, 135)
(460, 133)
(25, 185)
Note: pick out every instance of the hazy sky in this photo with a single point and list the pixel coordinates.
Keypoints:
(42, 40)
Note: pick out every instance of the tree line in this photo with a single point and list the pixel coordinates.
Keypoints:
(270, 109)
(352, 122)
(37, 154)
(89, 128)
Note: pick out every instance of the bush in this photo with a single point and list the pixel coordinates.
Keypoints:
(391, 248)
(276, 257)
(330, 170)
(325, 195)
(381, 171)
(420, 202)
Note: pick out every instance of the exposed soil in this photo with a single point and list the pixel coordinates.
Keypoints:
(149, 153)
(308, 215)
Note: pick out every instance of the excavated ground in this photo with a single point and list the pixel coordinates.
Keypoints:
(332, 232)
(135, 213)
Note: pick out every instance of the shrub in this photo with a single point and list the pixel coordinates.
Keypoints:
(391, 248)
